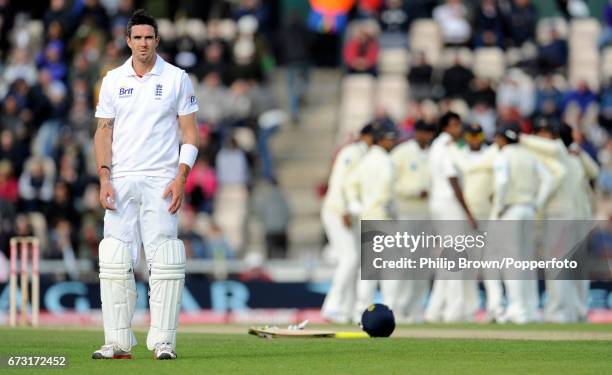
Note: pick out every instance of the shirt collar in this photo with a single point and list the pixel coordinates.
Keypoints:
(157, 68)
(379, 149)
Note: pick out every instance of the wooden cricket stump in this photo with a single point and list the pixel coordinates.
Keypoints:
(23, 246)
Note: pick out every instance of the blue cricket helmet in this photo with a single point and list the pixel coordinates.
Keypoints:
(378, 320)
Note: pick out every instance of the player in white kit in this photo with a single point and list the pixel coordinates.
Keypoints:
(411, 161)
(522, 186)
(144, 106)
(451, 300)
(342, 236)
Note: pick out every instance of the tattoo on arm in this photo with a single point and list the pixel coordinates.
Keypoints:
(106, 123)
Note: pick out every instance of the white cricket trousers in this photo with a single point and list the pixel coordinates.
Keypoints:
(340, 299)
(522, 295)
(141, 215)
(450, 300)
(564, 298)
(411, 293)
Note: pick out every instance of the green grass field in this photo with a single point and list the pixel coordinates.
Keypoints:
(205, 353)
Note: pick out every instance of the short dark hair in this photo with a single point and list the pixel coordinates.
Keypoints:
(446, 119)
(141, 17)
(368, 129)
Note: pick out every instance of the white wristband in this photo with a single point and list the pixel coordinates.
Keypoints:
(188, 154)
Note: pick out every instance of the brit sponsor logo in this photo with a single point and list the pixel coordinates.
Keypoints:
(126, 92)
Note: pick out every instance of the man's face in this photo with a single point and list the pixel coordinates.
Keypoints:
(545, 134)
(423, 138)
(500, 141)
(455, 128)
(143, 43)
(368, 139)
(387, 144)
(474, 140)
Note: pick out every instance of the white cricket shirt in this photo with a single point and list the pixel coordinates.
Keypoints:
(441, 168)
(344, 164)
(146, 110)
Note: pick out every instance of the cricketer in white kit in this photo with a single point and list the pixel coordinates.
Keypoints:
(476, 165)
(373, 199)
(143, 106)
(451, 300)
(342, 236)
(522, 186)
(411, 163)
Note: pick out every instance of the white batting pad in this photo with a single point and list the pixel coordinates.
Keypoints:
(166, 284)
(117, 292)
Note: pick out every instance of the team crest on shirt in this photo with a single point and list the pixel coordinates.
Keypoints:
(125, 92)
(158, 91)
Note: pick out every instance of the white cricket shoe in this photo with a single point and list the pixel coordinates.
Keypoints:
(111, 351)
(164, 351)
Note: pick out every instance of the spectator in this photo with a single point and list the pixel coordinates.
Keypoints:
(95, 15)
(92, 217)
(7, 14)
(8, 183)
(240, 104)
(520, 20)
(296, 41)
(214, 60)
(51, 59)
(361, 51)
(580, 140)
(269, 122)
(218, 247)
(606, 32)
(61, 206)
(61, 246)
(201, 186)
(23, 226)
(485, 116)
(20, 67)
(231, 165)
(58, 12)
(11, 116)
(420, 77)
(516, 93)
(12, 151)
(49, 131)
(605, 116)
(549, 99)
(272, 209)
(480, 91)
(453, 18)
(244, 66)
(195, 245)
(36, 184)
(489, 26)
(213, 99)
(55, 34)
(394, 23)
(582, 96)
(186, 56)
(255, 8)
(456, 79)
(553, 54)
